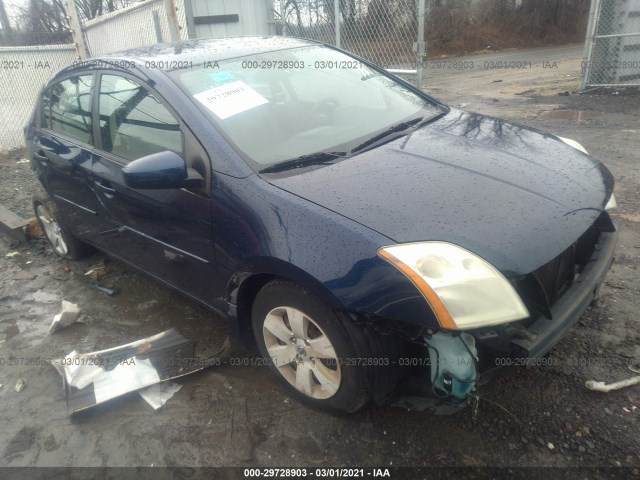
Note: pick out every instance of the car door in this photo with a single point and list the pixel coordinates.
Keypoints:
(63, 152)
(165, 232)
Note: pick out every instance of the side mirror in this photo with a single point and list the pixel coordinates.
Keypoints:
(161, 170)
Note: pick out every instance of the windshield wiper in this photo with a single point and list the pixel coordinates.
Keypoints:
(320, 158)
(400, 127)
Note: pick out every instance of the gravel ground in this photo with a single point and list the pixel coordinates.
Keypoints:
(238, 415)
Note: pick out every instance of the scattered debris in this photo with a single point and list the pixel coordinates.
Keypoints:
(15, 253)
(24, 160)
(93, 378)
(550, 446)
(68, 315)
(602, 387)
(97, 271)
(108, 290)
(157, 395)
(33, 230)
(13, 225)
(20, 384)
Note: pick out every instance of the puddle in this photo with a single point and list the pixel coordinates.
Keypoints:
(575, 115)
(9, 332)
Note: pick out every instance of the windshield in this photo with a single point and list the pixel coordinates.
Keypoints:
(290, 104)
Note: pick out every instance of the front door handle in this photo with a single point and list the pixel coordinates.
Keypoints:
(106, 188)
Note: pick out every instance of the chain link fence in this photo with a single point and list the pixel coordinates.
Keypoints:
(23, 71)
(382, 31)
(612, 49)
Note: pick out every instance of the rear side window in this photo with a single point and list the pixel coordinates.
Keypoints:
(67, 108)
(133, 123)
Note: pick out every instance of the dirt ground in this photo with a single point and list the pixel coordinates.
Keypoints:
(238, 415)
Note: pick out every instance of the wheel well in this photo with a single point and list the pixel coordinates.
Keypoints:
(250, 287)
(246, 294)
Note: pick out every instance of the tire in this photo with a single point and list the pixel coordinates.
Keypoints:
(62, 241)
(308, 349)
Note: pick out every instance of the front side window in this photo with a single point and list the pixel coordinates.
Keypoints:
(133, 123)
(67, 108)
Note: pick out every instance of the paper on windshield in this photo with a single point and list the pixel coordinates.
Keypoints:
(230, 99)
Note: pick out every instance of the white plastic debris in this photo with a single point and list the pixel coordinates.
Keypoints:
(93, 378)
(68, 315)
(603, 387)
(81, 370)
(125, 377)
(157, 395)
(20, 384)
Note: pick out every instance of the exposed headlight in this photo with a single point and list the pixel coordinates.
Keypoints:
(574, 144)
(463, 290)
(611, 204)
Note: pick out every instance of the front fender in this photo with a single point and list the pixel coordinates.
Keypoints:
(272, 233)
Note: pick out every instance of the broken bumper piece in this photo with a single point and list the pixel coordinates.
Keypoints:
(545, 333)
(93, 378)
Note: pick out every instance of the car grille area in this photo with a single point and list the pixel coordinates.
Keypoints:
(553, 279)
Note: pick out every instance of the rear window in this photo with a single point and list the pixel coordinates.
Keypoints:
(67, 108)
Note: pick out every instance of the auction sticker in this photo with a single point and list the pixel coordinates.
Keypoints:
(230, 99)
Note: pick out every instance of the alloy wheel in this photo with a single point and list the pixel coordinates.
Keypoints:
(52, 230)
(302, 352)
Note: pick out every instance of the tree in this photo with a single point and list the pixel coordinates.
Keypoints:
(45, 21)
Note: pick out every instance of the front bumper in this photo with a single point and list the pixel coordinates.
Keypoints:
(544, 333)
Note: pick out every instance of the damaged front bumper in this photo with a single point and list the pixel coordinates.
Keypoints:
(461, 360)
(544, 333)
(528, 341)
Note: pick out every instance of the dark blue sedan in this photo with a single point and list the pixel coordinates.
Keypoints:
(374, 242)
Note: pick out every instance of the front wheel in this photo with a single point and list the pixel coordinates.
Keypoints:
(308, 349)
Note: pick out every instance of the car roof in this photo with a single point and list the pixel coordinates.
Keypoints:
(207, 50)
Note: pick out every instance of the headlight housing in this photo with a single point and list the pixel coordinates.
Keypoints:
(464, 290)
(574, 144)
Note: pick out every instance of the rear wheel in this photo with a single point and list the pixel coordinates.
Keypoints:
(63, 242)
(308, 349)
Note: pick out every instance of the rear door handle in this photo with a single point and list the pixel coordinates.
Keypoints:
(108, 191)
(41, 157)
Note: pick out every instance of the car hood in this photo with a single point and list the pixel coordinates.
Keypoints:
(511, 194)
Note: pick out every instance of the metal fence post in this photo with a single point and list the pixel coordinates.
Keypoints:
(188, 16)
(421, 46)
(172, 19)
(589, 41)
(336, 20)
(82, 49)
(156, 26)
(283, 20)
